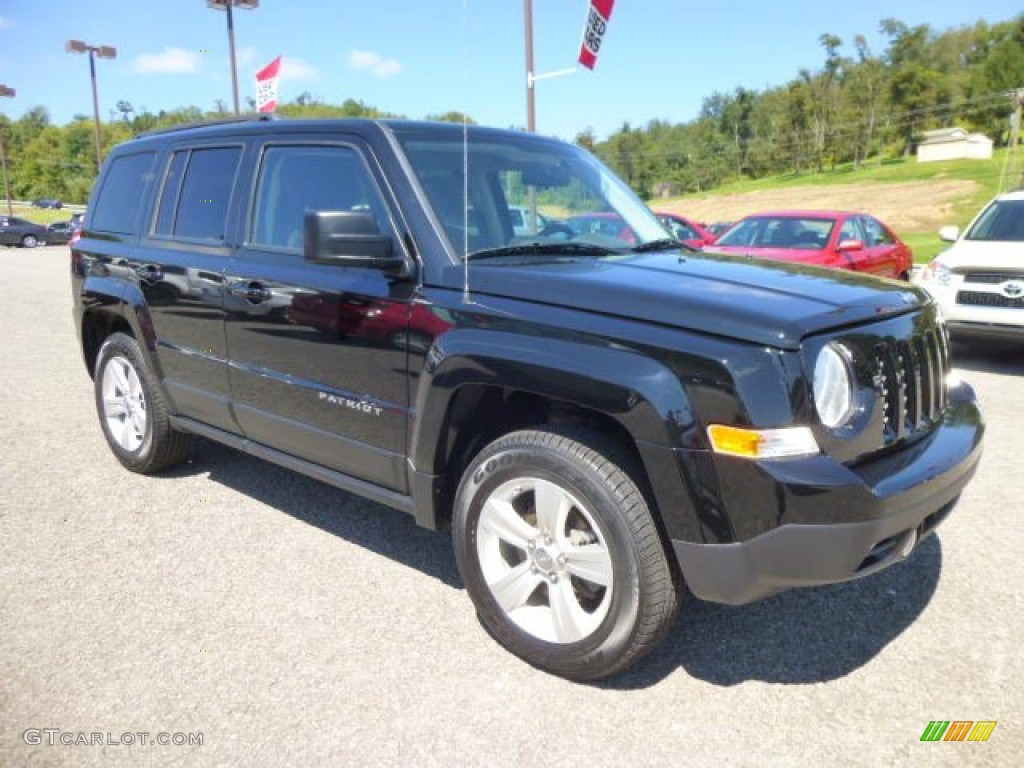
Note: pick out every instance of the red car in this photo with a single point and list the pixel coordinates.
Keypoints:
(843, 239)
(685, 230)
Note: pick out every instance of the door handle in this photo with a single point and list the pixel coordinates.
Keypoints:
(253, 291)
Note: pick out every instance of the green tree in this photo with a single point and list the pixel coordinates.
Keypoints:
(450, 117)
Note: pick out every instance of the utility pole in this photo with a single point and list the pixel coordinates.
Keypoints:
(104, 52)
(1011, 165)
(227, 5)
(10, 92)
(531, 109)
(1015, 136)
(531, 78)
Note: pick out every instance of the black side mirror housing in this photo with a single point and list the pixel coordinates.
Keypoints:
(348, 239)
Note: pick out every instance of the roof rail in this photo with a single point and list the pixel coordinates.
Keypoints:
(263, 117)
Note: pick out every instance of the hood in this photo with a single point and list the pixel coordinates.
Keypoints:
(812, 256)
(1001, 255)
(765, 302)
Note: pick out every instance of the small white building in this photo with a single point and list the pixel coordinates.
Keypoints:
(953, 144)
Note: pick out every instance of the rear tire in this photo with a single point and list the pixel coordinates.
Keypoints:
(561, 555)
(132, 413)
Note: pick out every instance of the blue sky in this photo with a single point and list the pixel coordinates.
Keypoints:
(659, 60)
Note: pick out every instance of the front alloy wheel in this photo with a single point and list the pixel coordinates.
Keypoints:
(560, 553)
(544, 560)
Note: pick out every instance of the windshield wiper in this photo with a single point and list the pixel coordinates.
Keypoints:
(543, 249)
(664, 244)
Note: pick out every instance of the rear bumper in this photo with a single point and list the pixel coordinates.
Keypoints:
(887, 506)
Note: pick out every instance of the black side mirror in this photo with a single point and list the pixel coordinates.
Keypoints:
(348, 239)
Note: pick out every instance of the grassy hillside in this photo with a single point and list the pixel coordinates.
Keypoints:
(915, 199)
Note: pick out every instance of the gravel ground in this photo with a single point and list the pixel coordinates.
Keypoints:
(294, 625)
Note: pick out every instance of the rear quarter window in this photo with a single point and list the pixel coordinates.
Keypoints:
(205, 193)
(120, 198)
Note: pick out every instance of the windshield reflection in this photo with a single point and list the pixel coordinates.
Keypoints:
(522, 191)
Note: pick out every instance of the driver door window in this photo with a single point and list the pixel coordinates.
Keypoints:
(851, 231)
(297, 179)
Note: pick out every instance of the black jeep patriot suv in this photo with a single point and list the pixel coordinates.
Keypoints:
(600, 416)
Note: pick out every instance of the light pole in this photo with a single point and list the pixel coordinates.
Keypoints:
(5, 91)
(531, 109)
(226, 5)
(104, 52)
(531, 77)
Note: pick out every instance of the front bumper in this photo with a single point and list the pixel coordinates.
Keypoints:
(849, 522)
(985, 330)
(974, 320)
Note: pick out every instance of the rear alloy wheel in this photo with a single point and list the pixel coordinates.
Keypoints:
(29, 241)
(132, 413)
(561, 555)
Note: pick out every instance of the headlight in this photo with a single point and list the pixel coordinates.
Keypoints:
(833, 385)
(937, 272)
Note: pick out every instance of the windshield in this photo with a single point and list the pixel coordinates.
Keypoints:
(523, 190)
(779, 232)
(1003, 220)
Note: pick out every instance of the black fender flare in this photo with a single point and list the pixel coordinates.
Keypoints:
(112, 296)
(640, 393)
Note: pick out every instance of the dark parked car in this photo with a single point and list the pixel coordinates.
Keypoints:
(15, 231)
(599, 420)
(47, 202)
(59, 232)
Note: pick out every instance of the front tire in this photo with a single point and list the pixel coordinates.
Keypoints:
(29, 241)
(561, 555)
(132, 413)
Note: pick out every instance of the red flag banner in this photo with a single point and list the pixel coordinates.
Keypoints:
(266, 86)
(593, 31)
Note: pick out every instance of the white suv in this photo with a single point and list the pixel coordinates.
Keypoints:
(520, 216)
(979, 280)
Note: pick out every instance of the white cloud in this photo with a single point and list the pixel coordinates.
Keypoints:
(297, 69)
(246, 56)
(170, 61)
(374, 63)
(5, 22)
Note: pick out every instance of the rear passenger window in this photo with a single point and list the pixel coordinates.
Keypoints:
(169, 195)
(202, 210)
(296, 179)
(120, 197)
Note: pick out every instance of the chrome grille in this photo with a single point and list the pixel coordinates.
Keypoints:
(910, 375)
(992, 278)
(981, 299)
